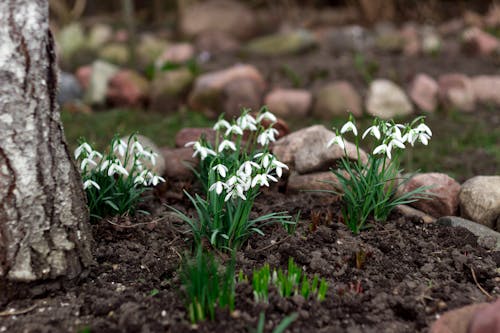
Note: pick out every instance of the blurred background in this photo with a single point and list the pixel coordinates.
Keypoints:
(159, 66)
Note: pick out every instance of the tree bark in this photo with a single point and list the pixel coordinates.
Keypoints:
(44, 231)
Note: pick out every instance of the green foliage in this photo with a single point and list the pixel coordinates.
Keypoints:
(283, 325)
(292, 282)
(370, 188)
(232, 173)
(114, 183)
(206, 286)
(367, 69)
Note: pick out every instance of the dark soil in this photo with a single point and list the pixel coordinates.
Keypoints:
(411, 273)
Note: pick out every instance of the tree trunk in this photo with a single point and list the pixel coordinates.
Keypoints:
(44, 231)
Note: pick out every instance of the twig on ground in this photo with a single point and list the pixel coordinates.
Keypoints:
(273, 244)
(478, 285)
(13, 312)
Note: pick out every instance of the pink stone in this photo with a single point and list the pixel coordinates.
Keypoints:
(487, 89)
(446, 190)
(83, 75)
(287, 103)
(189, 134)
(456, 91)
(424, 92)
(177, 161)
(456, 321)
(127, 88)
(487, 319)
(477, 41)
(337, 99)
(176, 53)
(412, 40)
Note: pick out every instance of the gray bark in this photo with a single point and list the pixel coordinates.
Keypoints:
(44, 231)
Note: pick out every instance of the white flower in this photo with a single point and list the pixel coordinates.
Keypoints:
(94, 153)
(349, 126)
(141, 178)
(267, 115)
(397, 143)
(373, 130)
(237, 191)
(218, 187)
(116, 167)
(138, 147)
(338, 140)
(424, 138)
(423, 128)
(202, 151)
(266, 159)
(279, 167)
(121, 148)
(226, 144)
(221, 169)
(83, 147)
(233, 129)
(155, 179)
(221, 123)
(88, 183)
(247, 122)
(383, 149)
(260, 180)
(86, 161)
(246, 168)
(267, 136)
(231, 181)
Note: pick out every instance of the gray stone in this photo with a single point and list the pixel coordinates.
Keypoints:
(289, 103)
(349, 39)
(337, 99)
(386, 100)
(69, 89)
(115, 53)
(487, 238)
(282, 44)
(480, 200)
(149, 49)
(99, 35)
(168, 86)
(70, 39)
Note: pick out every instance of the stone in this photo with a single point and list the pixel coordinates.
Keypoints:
(476, 41)
(424, 92)
(486, 237)
(127, 88)
(83, 75)
(486, 89)
(349, 39)
(189, 134)
(281, 44)
(492, 18)
(168, 86)
(101, 74)
(69, 89)
(480, 201)
(337, 99)
(431, 42)
(216, 42)
(149, 48)
(289, 103)
(177, 162)
(456, 321)
(445, 190)
(305, 150)
(387, 100)
(456, 91)
(226, 16)
(318, 181)
(451, 27)
(99, 34)
(70, 39)
(149, 145)
(487, 319)
(390, 41)
(179, 53)
(115, 53)
(211, 91)
(411, 39)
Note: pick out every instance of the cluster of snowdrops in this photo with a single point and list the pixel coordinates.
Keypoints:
(231, 171)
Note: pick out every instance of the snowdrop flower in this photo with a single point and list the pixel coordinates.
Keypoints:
(247, 122)
(397, 143)
(137, 147)
(141, 178)
(121, 148)
(115, 168)
(221, 170)
(233, 129)
(237, 191)
(231, 181)
(246, 168)
(267, 115)
(155, 179)
(383, 149)
(423, 138)
(349, 126)
(94, 153)
(267, 136)
(218, 187)
(423, 128)
(221, 123)
(279, 167)
(88, 183)
(200, 150)
(373, 130)
(226, 144)
(337, 140)
(260, 180)
(83, 147)
(86, 161)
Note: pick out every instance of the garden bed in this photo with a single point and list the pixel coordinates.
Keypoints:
(395, 277)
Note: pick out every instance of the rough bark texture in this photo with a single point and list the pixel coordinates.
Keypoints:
(44, 232)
